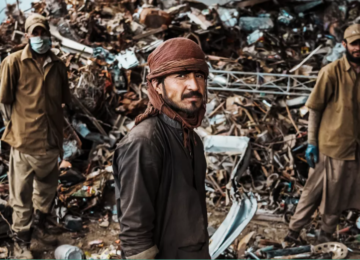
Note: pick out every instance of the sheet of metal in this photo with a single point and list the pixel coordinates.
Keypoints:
(243, 207)
(226, 144)
(70, 44)
(240, 214)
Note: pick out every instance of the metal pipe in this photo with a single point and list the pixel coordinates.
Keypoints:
(262, 74)
(263, 85)
(260, 91)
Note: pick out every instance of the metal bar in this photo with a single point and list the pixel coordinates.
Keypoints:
(278, 84)
(265, 74)
(236, 81)
(288, 85)
(271, 83)
(252, 86)
(259, 91)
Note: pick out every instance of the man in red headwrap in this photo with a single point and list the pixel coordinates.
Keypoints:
(159, 167)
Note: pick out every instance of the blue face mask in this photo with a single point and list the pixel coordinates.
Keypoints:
(40, 44)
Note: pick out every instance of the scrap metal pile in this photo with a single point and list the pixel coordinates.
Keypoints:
(263, 57)
(277, 129)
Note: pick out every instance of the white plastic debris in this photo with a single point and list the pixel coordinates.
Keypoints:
(68, 252)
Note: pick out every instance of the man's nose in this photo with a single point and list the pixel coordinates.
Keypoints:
(192, 83)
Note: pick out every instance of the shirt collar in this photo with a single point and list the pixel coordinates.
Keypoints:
(171, 122)
(27, 54)
(347, 64)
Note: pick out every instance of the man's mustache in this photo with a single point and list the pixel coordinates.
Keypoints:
(192, 94)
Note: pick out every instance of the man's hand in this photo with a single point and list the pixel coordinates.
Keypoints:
(312, 155)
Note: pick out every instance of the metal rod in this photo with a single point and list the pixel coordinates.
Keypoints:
(261, 74)
(260, 91)
(258, 85)
(283, 88)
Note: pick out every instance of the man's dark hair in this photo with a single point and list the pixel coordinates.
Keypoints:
(161, 80)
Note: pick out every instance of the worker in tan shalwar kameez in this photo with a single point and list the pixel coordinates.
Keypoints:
(333, 143)
(33, 88)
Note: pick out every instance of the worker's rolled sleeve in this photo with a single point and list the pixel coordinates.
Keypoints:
(139, 164)
(8, 81)
(322, 91)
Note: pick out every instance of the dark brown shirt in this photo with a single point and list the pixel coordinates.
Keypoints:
(337, 96)
(36, 95)
(161, 192)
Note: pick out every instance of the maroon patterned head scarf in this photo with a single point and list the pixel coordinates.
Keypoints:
(172, 56)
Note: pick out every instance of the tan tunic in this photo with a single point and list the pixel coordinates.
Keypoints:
(334, 184)
(341, 182)
(337, 95)
(36, 95)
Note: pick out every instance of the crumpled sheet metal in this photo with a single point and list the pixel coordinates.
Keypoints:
(243, 206)
(230, 145)
(226, 144)
(240, 214)
(253, 23)
(70, 44)
(277, 169)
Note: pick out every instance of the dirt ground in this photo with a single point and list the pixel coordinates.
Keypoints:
(107, 235)
(92, 232)
(269, 230)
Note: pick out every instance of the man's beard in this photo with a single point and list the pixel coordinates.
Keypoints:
(351, 58)
(192, 112)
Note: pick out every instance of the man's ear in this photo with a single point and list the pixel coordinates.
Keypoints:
(157, 85)
(27, 36)
(344, 44)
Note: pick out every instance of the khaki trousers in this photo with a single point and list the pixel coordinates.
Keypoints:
(33, 181)
(334, 186)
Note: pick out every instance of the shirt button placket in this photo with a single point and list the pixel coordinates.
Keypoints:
(44, 111)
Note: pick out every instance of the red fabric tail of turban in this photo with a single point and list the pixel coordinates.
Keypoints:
(174, 55)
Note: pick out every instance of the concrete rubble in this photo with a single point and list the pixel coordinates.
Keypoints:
(264, 57)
